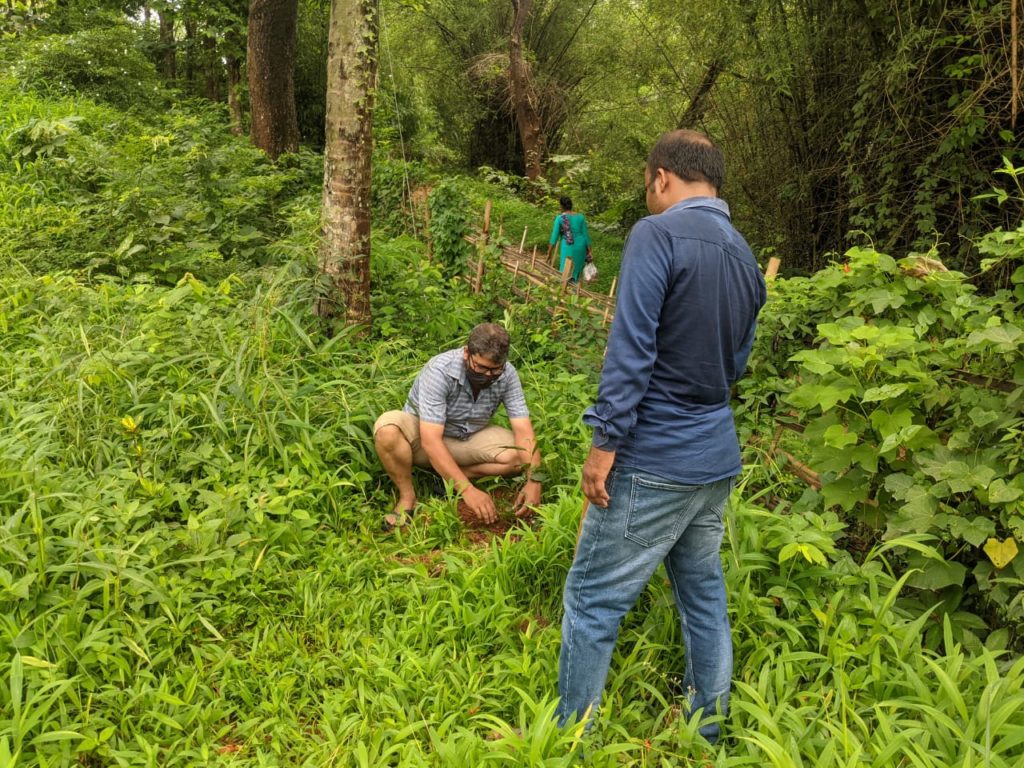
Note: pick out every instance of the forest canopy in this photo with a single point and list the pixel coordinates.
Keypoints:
(843, 122)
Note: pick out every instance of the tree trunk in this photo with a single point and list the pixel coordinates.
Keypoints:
(234, 67)
(211, 66)
(271, 65)
(345, 234)
(190, 50)
(524, 97)
(168, 60)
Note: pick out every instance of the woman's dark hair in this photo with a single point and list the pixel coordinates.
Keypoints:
(566, 202)
(489, 340)
(690, 155)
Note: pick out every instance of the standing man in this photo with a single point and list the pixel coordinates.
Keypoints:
(445, 424)
(664, 453)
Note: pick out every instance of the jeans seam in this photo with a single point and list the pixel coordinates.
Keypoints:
(575, 618)
(684, 625)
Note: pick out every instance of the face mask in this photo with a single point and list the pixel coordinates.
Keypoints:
(479, 380)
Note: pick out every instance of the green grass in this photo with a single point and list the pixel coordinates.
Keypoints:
(191, 570)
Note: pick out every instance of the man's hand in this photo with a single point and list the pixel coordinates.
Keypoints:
(480, 504)
(595, 471)
(528, 498)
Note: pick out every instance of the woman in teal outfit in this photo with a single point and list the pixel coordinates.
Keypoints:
(571, 229)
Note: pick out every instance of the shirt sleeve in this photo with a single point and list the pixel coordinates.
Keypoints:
(555, 232)
(513, 396)
(432, 401)
(632, 342)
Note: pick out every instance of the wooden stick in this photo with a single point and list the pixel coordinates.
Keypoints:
(611, 293)
(478, 285)
(773, 268)
(487, 222)
(801, 470)
(533, 261)
(522, 243)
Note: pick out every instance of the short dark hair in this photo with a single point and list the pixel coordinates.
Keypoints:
(489, 340)
(566, 202)
(690, 155)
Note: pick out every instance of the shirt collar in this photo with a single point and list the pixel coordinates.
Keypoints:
(714, 203)
(456, 367)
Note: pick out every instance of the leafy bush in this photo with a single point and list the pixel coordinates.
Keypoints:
(449, 225)
(104, 63)
(86, 187)
(908, 385)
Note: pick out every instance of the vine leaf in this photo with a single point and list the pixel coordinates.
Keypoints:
(1001, 552)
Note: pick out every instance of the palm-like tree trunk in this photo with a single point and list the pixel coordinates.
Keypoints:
(524, 96)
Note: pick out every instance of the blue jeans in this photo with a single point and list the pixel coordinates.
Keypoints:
(649, 520)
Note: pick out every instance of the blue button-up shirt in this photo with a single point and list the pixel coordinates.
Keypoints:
(442, 394)
(690, 291)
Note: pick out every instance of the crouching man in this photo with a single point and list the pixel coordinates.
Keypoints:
(446, 425)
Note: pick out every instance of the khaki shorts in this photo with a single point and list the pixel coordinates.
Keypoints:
(481, 447)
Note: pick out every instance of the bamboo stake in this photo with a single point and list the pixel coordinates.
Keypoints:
(533, 261)
(522, 243)
(611, 293)
(478, 285)
(773, 268)
(487, 222)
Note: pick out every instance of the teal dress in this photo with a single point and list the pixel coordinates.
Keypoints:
(580, 242)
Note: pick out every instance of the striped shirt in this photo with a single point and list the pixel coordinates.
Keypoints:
(441, 394)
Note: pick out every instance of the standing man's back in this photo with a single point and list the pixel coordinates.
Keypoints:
(664, 452)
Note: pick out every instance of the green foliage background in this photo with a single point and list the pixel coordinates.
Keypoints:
(191, 571)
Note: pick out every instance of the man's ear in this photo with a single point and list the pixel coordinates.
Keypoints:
(661, 179)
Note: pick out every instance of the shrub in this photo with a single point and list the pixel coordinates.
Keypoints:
(104, 63)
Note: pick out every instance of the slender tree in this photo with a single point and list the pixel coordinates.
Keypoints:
(271, 66)
(168, 54)
(524, 95)
(345, 241)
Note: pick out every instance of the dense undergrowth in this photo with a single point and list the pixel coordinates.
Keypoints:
(191, 571)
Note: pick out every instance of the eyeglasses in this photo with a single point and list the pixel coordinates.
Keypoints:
(494, 371)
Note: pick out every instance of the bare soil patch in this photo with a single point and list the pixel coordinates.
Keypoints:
(504, 499)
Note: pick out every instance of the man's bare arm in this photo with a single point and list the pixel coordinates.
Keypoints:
(479, 502)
